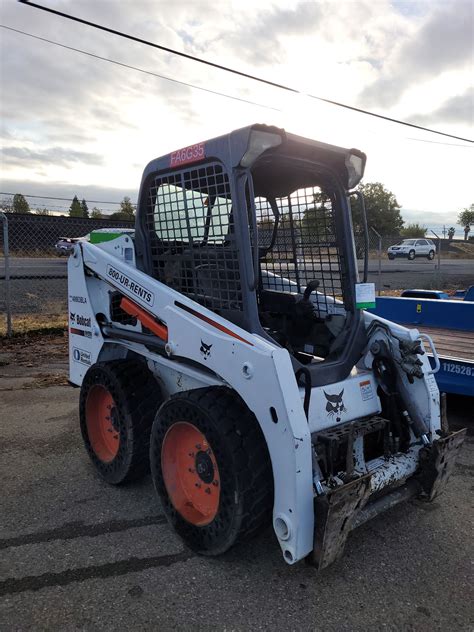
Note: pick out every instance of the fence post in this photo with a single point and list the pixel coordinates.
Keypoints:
(379, 252)
(438, 274)
(6, 255)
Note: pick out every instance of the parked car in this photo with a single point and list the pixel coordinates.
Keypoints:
(412, 248)
(65, 245)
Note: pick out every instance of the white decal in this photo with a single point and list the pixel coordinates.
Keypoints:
(453, 367)
(129, 284)
(365, 295)
(84, 357)
(431, 383)
(366, 390)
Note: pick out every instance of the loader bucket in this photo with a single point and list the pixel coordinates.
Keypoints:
(350, 505)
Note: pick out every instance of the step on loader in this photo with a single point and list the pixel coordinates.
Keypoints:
(225, 346)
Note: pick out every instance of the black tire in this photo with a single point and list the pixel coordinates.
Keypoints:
(431, 255)
(391, 257)
(238, 445)
(411, 255)
(136, 396)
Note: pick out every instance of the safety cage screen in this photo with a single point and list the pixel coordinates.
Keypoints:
(301, 245)
(193, 247)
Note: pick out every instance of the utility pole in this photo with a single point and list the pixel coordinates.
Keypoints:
(444, 232)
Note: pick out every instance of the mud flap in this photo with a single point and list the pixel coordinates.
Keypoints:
(334, 514)
(437, 461)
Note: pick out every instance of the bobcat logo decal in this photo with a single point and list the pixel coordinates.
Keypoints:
(205, 350)
(73, 317)
(335, 405)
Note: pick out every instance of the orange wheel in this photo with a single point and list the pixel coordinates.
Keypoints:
(117, 404)
(190, 473)
(211, 469)
(102, 423)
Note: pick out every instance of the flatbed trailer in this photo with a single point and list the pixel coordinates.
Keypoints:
(450, 325)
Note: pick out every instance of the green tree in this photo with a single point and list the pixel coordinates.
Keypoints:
(20, 205)
(84, 208)
(75, 210)
(96, 213)
(382, 208)
(451, 232)
(413, 230)
(127, 210)
(266, 224)
(466, 218)
(318, 219)
(42, 211)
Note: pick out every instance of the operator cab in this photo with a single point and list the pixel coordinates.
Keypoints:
(256, 226)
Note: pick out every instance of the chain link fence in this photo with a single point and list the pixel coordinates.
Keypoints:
(33, 267)
(451, 268)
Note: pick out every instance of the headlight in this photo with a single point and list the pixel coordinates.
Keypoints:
(355, 169)
(259, 142)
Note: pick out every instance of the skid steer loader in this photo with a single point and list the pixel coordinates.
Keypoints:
(225, 345)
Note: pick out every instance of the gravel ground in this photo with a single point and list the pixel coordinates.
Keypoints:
(77, 554)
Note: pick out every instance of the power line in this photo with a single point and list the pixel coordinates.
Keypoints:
(146, 72)
(436, 142)
(200, 60)
(48, 197)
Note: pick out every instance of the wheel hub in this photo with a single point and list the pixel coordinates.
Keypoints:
(103, 423)
(190, 473)
(204, 467)
(114, 419)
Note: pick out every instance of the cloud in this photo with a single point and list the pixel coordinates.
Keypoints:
(262, 42)
(68, 190)
(114, 119)
(457, 109)
(58, 156)
(443, 42)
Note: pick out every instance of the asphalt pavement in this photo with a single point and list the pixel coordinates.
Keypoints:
(77, 554)
(42, 266)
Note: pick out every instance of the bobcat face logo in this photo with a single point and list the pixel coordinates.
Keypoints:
(335, 405)
(205, 350)
(73, 317)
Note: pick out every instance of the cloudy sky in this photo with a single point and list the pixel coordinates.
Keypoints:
(76, 124)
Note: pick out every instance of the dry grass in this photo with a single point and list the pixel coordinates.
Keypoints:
(35, 350)
(459, 250)
(28, 323)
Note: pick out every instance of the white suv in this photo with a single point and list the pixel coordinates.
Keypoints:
(412, 248)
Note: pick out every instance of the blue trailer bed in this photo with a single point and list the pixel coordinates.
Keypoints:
(450, 324)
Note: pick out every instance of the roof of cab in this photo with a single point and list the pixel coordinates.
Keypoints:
(230, 149)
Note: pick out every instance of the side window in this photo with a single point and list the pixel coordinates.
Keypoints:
(219, 220)
(192, 206)
(179, 215)
(190, 223)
